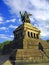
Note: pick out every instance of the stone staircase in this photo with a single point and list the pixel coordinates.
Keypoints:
(33, 54)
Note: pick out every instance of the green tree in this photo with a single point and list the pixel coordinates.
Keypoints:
(4, 43)
(47, 40)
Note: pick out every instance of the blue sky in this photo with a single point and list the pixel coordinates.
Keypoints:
(10, 18)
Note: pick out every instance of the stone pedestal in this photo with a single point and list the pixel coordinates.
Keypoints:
(30, 49)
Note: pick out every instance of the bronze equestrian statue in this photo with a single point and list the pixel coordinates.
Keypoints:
(25, 17)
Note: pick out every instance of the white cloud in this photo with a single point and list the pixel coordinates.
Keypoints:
(44, 34)
(6, 37)
(3, 36)
(32, 19)
(11, 36)
(1, 19)
(38, 8)
(6, 30)
(47, 26)
(12, 26)
(1, 22)
(7, 20)
(19, 20)
(11, 20)
(3, 28)
(17, 4)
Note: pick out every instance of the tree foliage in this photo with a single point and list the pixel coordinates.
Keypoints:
(47, 40)
(4, 43)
